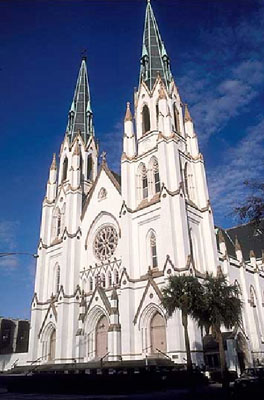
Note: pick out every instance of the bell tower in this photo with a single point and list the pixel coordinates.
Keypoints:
(57, 274)
(161, 162)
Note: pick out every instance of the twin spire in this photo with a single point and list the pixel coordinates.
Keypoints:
(154, 59)
(80, 120)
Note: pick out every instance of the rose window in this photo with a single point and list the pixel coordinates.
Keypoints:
(105, 242)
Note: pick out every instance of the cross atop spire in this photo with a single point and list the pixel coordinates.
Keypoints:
(154, 57)
(80, 115)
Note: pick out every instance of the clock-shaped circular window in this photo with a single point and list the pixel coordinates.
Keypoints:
(105, 242)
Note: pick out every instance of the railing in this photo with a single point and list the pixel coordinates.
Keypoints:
(33, 362)
(14, 363)
(102, 358)
(164, 354)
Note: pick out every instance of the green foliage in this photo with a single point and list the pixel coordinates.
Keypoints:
(182, 292)
(220, 304)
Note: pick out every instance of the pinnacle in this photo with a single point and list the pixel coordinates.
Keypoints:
(162, 94)
(128, 116)
(76, 149)
(187, 116)
(237, 244)
(53, 164)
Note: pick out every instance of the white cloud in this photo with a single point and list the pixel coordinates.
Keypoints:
(8, 243)
(240, 163)
(227, 75)
(215, 104)
(9, 262)
(111, 143)
(8, 235)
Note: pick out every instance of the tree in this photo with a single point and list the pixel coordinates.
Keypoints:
(182, 292)
(252, 209)
(220, 306)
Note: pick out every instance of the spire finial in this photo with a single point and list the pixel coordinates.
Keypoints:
(103, 157)
(128, 116)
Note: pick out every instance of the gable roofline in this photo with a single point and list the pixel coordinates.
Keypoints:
(103, 167)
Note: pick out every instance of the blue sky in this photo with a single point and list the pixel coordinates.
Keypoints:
(217, 51)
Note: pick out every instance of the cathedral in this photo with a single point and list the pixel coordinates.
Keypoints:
(109, 243)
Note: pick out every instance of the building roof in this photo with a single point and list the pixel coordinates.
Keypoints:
(154, 57)
(249, 236)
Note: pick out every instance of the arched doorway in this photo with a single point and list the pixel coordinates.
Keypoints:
(158, 334)
(101, 331)
(242, 352)
(52, 345)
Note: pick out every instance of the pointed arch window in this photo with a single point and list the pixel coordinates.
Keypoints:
(89, 167)
(153, 250)
(157, 114)
(65, 169)
(81, 168)
(57, 279)
(145, 119)
(58, 224)
(185, 173)
(91, 284)
(110, 283)
(144, 182)
(176, 118)
(116, 277)
(189, 182)
(156, 176)
(257, 320)
(103, 280)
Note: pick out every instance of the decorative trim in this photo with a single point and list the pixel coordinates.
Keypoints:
(59, 241)
(104, 298)
(104, 167)
(152, 283)
(52, 306)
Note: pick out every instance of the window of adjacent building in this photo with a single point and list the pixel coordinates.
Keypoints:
(145, 119)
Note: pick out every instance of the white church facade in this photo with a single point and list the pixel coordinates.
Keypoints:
(108, 244)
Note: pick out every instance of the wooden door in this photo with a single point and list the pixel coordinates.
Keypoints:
(101, 337)
(52, 345)
(158, 334)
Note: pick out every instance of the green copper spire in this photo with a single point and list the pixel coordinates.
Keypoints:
(81, 116)
(154, 57)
